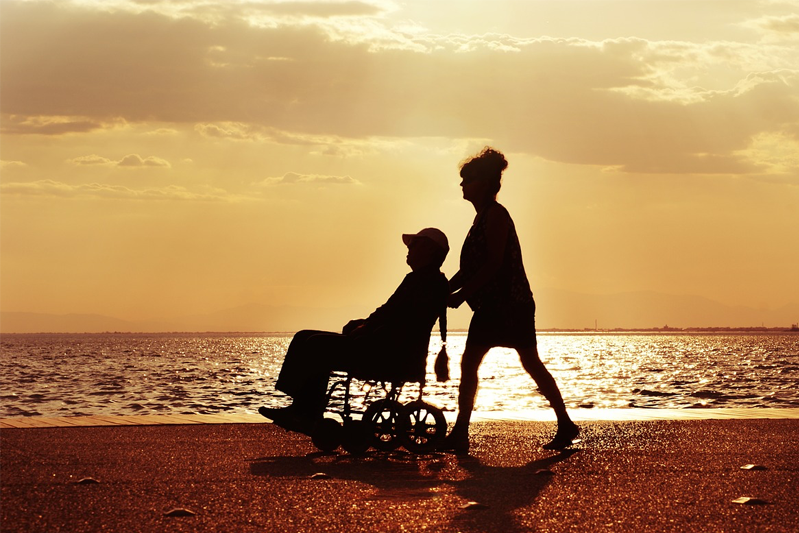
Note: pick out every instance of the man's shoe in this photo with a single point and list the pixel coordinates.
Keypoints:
(275, 413)
(563, 438)
(290, 419)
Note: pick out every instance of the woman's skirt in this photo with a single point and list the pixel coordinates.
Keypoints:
(508, 326)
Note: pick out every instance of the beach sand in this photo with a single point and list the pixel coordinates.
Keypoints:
(661, 475)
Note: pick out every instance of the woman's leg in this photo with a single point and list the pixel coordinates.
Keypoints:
(544, 380)
(467, 391)
(567, 430)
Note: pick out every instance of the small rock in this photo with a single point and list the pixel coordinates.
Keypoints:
(87, 481)
(473, 506)
(753, 467)
(320, 475)
(180, 512)
(745, 500)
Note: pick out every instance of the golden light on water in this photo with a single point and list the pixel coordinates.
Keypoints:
(125, 374)
(601, 371)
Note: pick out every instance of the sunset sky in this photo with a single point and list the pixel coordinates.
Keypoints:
(172, 157)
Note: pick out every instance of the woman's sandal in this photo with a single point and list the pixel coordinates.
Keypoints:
(563, 438)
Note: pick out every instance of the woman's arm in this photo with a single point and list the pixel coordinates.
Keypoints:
(497, 231)
(456, 282)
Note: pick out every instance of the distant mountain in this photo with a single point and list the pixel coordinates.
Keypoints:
(252, 317)
(73, 323)
(555, 309)
(257, 317)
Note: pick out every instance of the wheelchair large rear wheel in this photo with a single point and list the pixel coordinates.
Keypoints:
(383, 419)
(327, 434)
(423, 427)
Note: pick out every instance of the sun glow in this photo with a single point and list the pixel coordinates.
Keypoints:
(163, 160)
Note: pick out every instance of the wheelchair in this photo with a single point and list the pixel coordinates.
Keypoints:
(383, 423)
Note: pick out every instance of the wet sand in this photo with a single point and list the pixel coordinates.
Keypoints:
(639, 475)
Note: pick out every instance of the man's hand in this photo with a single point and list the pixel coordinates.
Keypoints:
(352, 325)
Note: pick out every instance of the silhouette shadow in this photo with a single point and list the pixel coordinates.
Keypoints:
(499, 491)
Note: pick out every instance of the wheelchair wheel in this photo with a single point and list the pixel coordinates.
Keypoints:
(423, 427)
(327, 435)
(383, 420)
(357, 437)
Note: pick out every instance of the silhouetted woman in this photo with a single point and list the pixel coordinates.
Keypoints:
(493, 282)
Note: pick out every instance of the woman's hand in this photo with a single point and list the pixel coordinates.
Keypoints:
(455, 300)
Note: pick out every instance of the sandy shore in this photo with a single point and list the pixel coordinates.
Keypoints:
(678, 475)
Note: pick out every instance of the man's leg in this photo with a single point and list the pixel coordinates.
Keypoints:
(323, 352)
(305, 372)
(294, 372)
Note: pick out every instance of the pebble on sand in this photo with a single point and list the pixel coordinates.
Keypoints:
(179, 511)
(320, 475)
(753, 467)
(473, 506)
(745, 500)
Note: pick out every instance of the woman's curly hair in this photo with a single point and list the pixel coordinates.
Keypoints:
(487, 165)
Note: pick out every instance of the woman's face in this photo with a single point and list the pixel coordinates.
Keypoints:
(474, 188)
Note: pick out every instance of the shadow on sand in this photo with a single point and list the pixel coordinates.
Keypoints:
(497, 492)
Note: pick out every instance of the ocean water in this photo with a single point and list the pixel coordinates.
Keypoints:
(124, 374)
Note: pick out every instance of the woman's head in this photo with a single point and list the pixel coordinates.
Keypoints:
(485, 168)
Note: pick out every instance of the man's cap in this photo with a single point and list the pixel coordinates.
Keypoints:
(434, 234)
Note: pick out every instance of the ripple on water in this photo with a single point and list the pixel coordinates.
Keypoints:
(137, 374)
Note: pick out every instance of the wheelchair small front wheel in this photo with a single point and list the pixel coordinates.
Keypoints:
(327, 434)
(383, 420)
(356, 437)
(423, 427)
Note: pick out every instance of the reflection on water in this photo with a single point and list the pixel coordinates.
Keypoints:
(123, 374)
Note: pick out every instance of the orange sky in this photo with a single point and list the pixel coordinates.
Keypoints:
(166, 158)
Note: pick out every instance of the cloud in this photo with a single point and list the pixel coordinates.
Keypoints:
(262, 12)
(320, 9)
(11, 164)
(634, 104)
(777, 151)
(135, 160)
(47, 125)
(51, 188)
(129, 161)
(325, 145)
(291, 178)
(163, 131)
(786, 26)
(92, 160)
(230, 130)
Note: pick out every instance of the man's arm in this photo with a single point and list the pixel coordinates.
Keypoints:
(351, 326)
